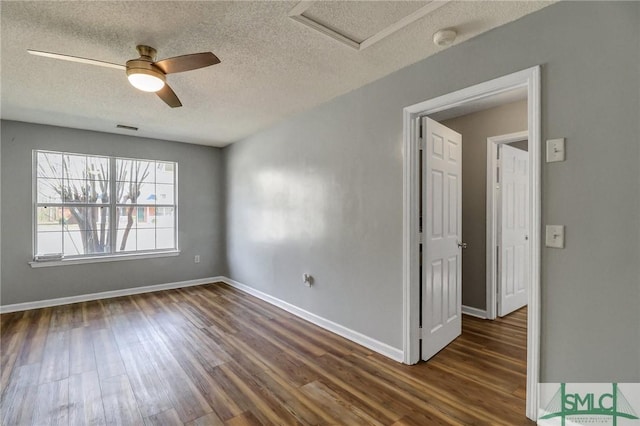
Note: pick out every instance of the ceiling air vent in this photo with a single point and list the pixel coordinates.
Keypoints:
(122, 126)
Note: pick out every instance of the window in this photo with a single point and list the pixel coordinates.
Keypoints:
(89, 206)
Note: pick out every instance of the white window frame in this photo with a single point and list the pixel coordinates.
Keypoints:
(114, 204)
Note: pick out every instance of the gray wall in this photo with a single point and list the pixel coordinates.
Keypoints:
(322, 192)
(475, 129)
(200, 224)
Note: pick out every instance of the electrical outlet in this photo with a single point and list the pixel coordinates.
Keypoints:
(307, 279)
(196, 258)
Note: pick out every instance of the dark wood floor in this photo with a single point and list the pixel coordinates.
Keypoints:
(211, 355)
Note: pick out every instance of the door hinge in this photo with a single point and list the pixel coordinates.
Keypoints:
(420, 238)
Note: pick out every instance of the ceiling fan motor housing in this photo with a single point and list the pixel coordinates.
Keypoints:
(147, 52)
(143, 66)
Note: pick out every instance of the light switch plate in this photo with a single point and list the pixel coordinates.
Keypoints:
(555, 150)
(554, 236)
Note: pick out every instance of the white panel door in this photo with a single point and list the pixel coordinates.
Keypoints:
(514, 229)
(442, 230)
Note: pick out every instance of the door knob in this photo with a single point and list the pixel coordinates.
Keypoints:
(462, 245)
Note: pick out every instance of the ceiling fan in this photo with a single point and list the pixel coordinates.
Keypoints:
(145, 73)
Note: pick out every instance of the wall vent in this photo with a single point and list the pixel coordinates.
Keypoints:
(122, 126)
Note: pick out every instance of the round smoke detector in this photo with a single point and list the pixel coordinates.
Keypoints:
(444, 37)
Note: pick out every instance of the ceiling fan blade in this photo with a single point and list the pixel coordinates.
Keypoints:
(76, 59)
(187, 62)
(169, 96)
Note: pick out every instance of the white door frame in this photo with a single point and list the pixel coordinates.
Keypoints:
(529, 79)
(492, 223)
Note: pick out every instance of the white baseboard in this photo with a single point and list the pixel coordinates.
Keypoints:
(106, 294)
(474, 312)
(359, 338)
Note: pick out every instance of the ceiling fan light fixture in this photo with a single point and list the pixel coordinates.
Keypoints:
(144, 76)
(145, 82)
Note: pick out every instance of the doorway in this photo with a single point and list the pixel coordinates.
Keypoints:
(413, 281)
(507, 230)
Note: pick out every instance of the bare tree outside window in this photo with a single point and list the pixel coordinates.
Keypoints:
(129, 191)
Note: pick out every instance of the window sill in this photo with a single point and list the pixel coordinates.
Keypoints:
(100, 259)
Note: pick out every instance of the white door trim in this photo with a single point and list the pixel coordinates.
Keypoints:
(530, 79)
(492, 230)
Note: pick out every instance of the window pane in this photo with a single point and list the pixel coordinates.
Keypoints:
(98, 237)
(73, 241)
(165, 238)
(126, 241)
(146, 193)
(165, 217)
(49, 190)
(75, 218)
(146, 239)
(122, 192)
(164, 172)
(135, 193)
(49, 242)
(146, 217)
(135, 170)
(146, 172)
(49, 230)
(74, 166)
(98, 191)
(128, 192)
(97, 168)
(126, 215)
(49, 219)
(49, 165)
(164, 193)
(75, 191)
(125, 170)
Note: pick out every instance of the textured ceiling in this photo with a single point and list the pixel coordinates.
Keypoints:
(271, 67)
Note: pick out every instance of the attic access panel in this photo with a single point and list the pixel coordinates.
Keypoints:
(359, 24)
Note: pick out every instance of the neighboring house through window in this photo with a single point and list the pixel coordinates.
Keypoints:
(89, 206)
